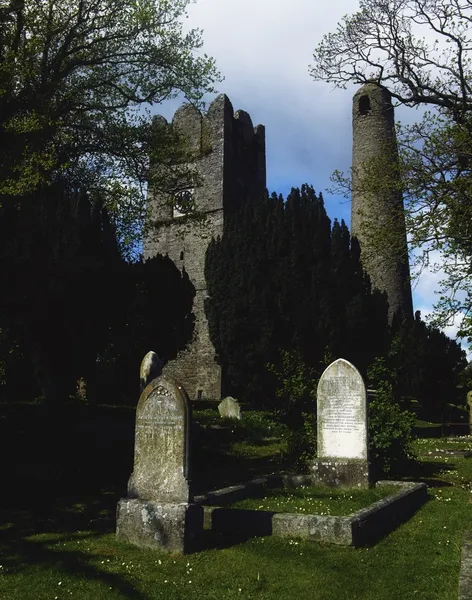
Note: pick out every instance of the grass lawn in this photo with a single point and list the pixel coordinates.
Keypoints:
(315, 500)
(62, 546)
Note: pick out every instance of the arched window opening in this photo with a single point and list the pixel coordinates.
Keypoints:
(182, 255)
(364, 105)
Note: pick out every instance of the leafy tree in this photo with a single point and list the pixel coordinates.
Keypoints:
(358, 327)
(379, 43)
(296, 404)
(244, 303)
(74, 308)
(75, 81)
(427, 366)
(390, 425)
(420, 50)
(57, 257)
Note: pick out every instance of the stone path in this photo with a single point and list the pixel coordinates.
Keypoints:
(465, 576)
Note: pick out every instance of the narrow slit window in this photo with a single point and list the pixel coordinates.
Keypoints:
(364, 105)
(182, 255)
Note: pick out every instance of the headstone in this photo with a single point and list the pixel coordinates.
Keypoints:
(151, 367)
(229, 408)
(342, 458)
(161, 444)
(157, 512)
(469, 403)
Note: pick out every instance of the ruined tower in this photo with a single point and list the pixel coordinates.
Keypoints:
(377, 214)
(229, 161)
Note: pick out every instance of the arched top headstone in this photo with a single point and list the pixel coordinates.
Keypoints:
(469, 398)
(161, 445)
(342, 412)
(229, 408)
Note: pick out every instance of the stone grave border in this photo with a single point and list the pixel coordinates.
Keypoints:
(365, 527)
(465, 574)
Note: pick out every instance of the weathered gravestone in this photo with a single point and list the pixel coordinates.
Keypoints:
(469, 403)
(342, 427)
(229, 408)
(151, 367)
(158, 512)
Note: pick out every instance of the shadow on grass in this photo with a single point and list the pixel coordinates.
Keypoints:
(219, 469)
(66, 473)
(214, 540)
(31, 536)
(428, 472)
(23, 553)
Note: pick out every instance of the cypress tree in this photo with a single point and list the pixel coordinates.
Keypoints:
(282, 278)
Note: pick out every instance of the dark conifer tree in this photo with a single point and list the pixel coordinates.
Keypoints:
(56, 260)
(428, 364)
(359, 325)
(281, 279)
(152, 311)
(70, 299)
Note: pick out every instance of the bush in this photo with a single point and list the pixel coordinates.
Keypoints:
(390, 426)
(296, 405)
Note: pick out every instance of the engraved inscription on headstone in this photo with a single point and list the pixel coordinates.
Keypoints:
(161, 444)
(342, 412)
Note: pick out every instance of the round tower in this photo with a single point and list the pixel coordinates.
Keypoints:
(377, 214)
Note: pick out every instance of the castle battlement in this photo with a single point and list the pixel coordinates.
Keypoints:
(227, 154)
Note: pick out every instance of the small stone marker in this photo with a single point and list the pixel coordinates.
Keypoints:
(229, 408)
(469, 402)
(151, 367)
(157, 512)
(342, 427)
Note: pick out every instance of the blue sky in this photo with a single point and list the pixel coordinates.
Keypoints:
(263, 48)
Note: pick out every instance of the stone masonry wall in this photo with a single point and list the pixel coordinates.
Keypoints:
(230, 166)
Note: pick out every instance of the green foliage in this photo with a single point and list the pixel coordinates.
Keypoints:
(76, 84)
(390, 437)
(73, 308)
(422, 363)
(427, 364)
(17, 380)
(57, 255)
(296, 406)
(152, 310)
(296, 383)
(302, 290)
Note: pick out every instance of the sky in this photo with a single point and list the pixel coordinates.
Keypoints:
(263, 49)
